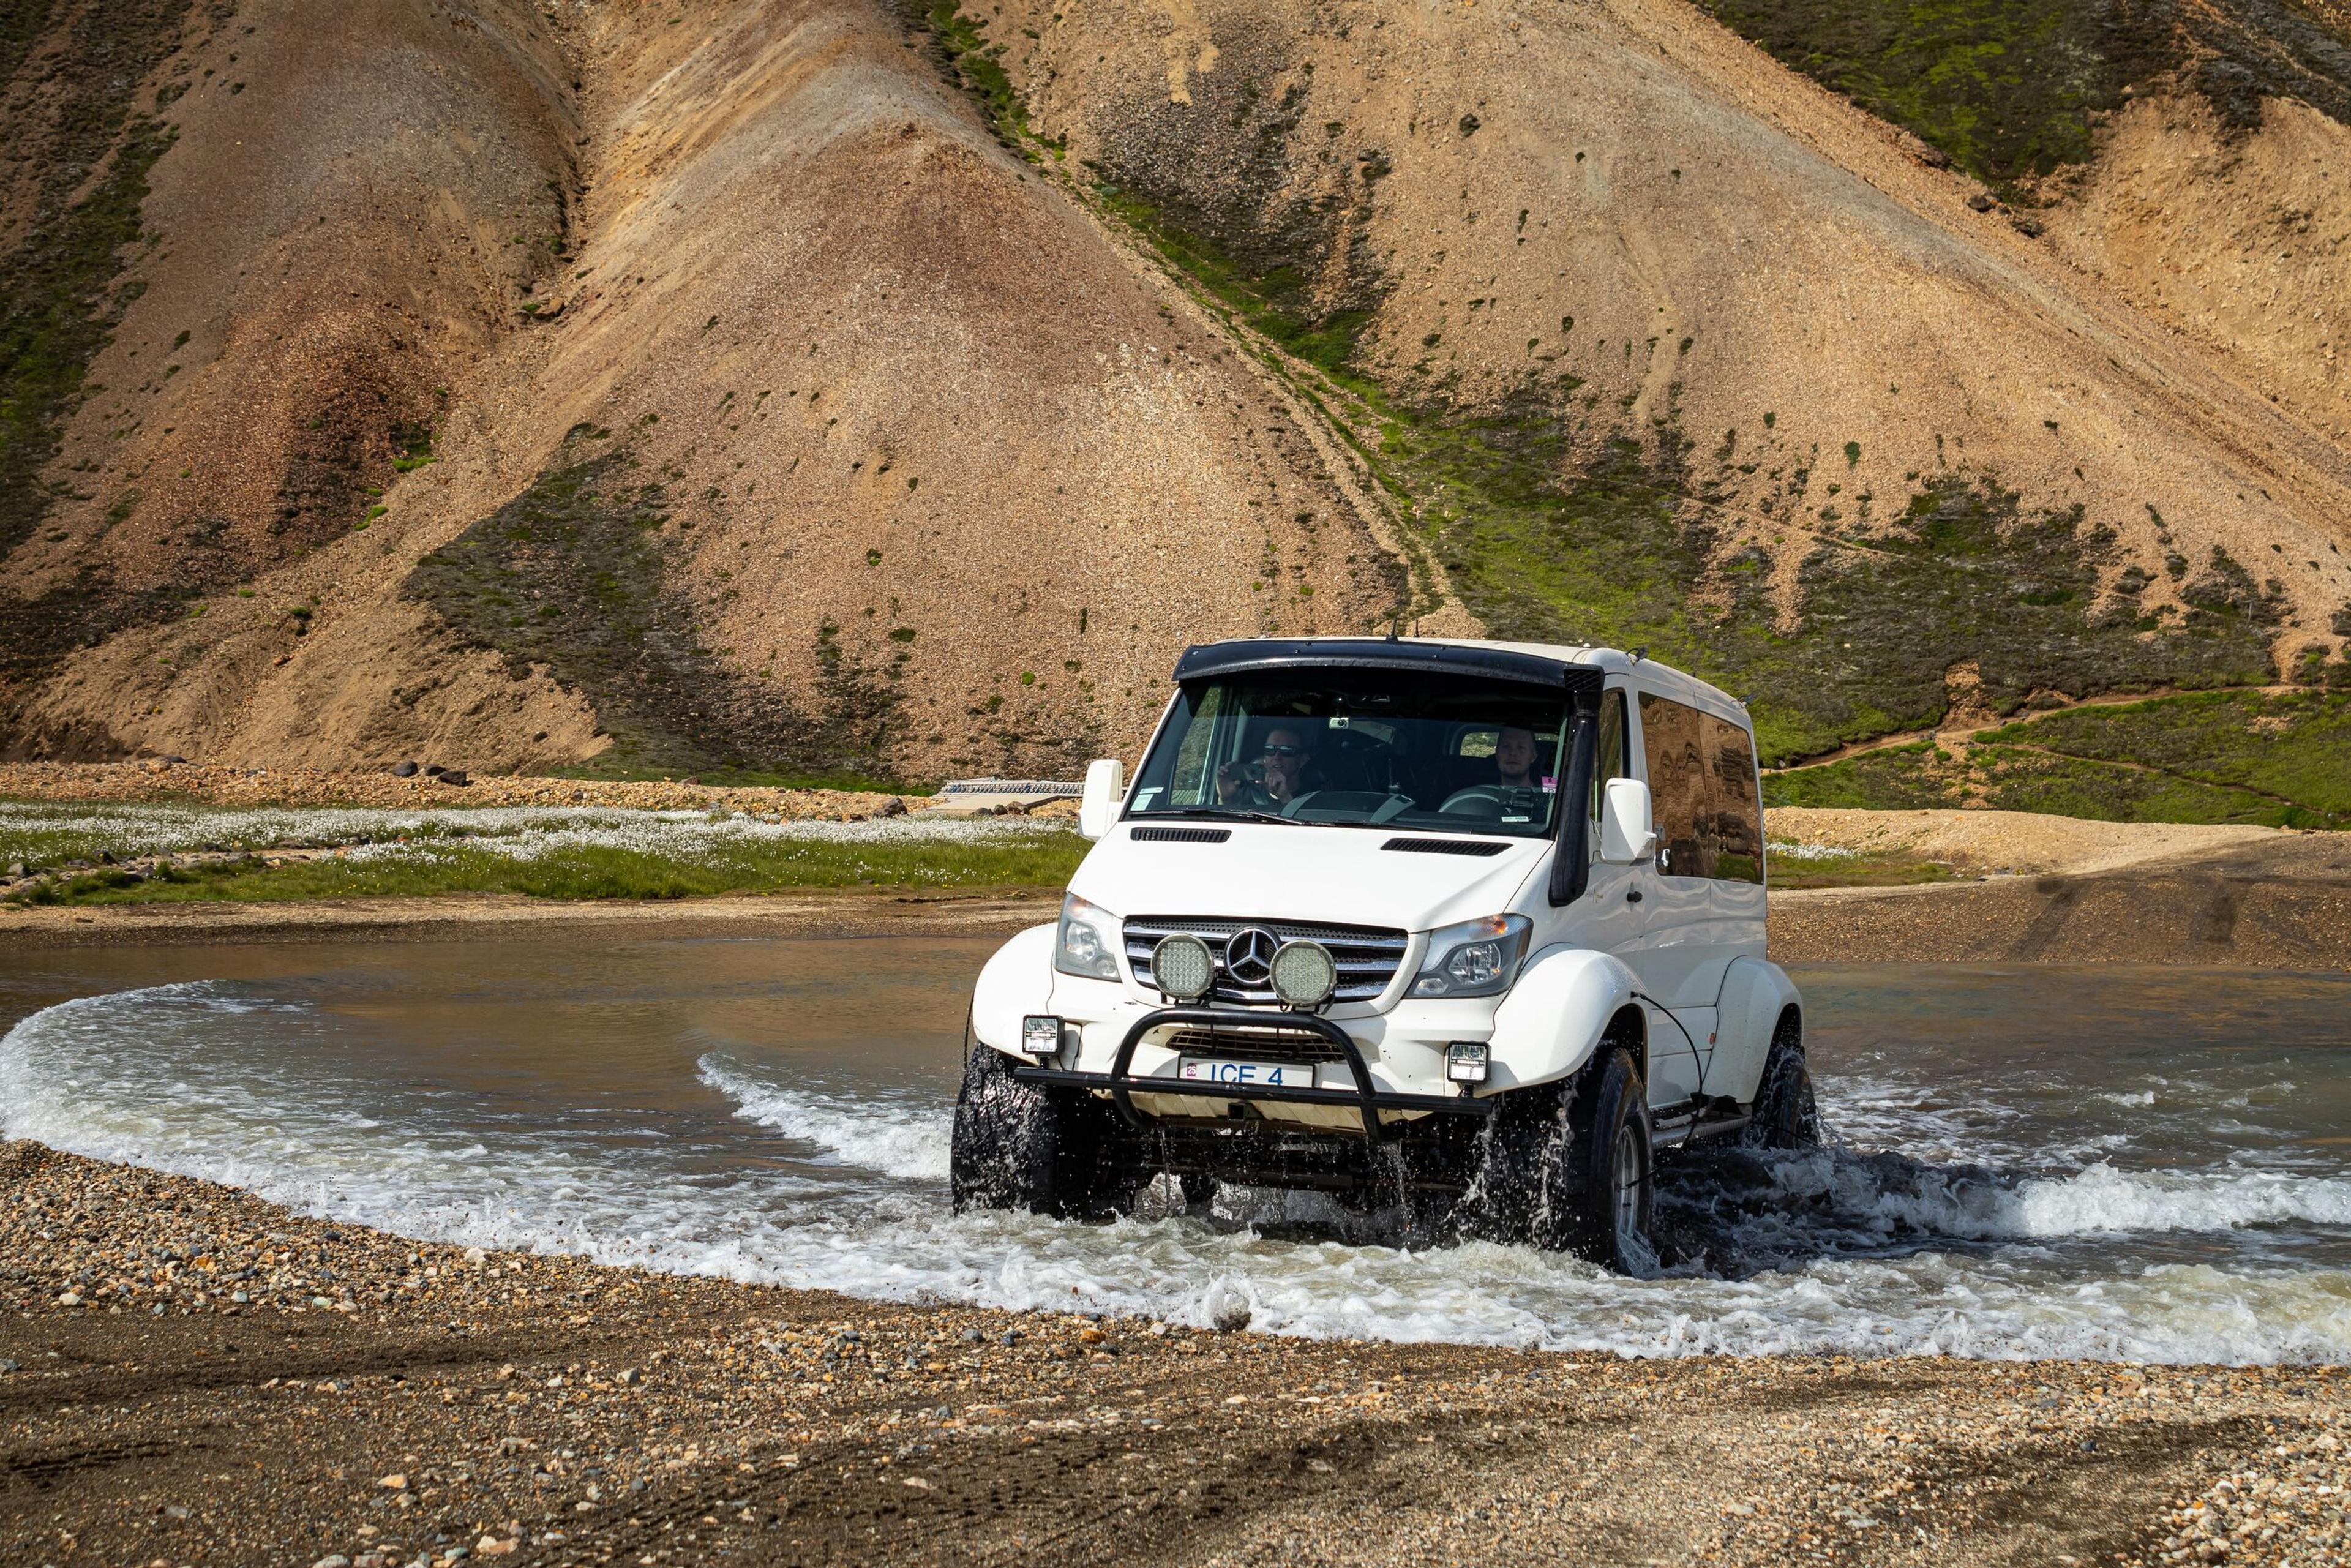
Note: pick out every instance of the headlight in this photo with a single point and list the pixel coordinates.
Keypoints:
(1183, 966)
(1087, 942)
(1304, 974)
(1475, 958)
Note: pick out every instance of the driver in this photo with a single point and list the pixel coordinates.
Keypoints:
(1282, 771)
(1514, 759)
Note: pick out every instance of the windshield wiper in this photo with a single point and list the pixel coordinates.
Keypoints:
(1237, 813)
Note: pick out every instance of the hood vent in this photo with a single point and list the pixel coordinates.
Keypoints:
(1446, 847)
(1150, 835)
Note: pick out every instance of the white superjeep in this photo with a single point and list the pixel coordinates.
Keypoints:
(1472, 924)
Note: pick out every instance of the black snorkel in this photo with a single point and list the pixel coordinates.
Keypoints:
(1571, 864)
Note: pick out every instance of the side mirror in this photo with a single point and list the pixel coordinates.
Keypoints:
(1628, 830)
(1098, 804)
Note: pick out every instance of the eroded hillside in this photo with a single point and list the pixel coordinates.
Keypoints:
(730, 398)
(1658, 343)
(802, 387)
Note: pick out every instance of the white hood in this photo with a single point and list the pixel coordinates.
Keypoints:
(1308, 873)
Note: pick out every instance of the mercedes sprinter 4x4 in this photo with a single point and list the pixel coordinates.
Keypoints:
(1476, 926)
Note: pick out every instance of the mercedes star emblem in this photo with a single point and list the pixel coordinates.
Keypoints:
(1248, 955)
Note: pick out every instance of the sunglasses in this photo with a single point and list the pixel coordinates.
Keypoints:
(1285, 751)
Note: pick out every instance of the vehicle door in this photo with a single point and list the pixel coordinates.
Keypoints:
(1704, 889)
(1612, 915)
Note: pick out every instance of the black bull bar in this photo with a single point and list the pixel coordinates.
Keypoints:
(1122, 1085)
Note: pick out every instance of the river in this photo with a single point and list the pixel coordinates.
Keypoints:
(2116, 1162)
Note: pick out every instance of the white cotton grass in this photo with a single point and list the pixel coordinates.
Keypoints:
(1779, 848)
(54, 833)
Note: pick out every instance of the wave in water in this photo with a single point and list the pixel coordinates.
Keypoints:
(895, 1136)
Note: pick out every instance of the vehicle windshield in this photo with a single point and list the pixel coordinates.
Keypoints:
(1433, 752)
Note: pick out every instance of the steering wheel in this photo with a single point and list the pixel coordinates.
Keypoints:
(1490, 801)
(1477, 801)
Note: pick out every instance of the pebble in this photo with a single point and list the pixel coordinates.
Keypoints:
(1819, 1457)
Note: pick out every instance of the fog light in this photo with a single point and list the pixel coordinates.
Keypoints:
(1304, 974)
(1464, 1062)
(1040, 1035)
(1183, 967)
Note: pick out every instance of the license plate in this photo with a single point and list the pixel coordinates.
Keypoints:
(1245, 1074)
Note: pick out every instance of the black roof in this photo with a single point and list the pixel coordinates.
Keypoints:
(1210, 659)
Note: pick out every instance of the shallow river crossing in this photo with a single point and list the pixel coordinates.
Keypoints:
(2131, 1164)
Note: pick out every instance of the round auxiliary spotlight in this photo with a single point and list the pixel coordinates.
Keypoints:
(1182, 966)
(1304, 974)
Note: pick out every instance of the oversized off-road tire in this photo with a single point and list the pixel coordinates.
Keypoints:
(1786, 1114)
(1027, 1146)
(1569, 1167)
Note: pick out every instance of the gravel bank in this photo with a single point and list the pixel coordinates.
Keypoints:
(192, 1375)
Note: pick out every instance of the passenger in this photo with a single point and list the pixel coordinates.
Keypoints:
(1281, 773)
(1514, 759)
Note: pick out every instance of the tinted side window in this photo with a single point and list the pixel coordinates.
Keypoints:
(1671, 743)
(1736, 826)
(1702, 777)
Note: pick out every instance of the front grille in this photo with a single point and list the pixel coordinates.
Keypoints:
(1367, 956)
(1273, 1043)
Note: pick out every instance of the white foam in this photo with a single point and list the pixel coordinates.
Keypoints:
(910, 1142)
(2103, 1200)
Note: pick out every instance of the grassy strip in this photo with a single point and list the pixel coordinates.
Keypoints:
(2280, 760)
(1857, 871)
(584, 871)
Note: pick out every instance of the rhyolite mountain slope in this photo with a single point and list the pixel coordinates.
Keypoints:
(798, 387)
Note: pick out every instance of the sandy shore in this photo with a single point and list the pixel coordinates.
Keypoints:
(189, 1375)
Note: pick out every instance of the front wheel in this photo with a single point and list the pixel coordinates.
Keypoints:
(1025, 1146)
(1567, 1167)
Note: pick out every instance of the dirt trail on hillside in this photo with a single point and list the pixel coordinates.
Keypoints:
(379, 1402)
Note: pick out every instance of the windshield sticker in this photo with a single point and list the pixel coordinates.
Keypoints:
(1550, 784)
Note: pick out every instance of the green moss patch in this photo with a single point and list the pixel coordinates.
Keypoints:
(62, 292)
(1628, 552)
(961, 45)
(575, 576)
(2010, 88)
(2293, 747)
